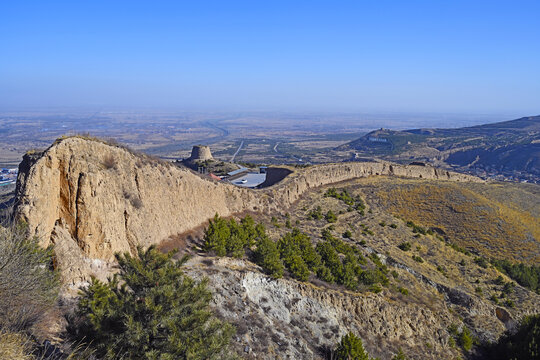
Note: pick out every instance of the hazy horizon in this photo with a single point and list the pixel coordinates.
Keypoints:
(414, 57)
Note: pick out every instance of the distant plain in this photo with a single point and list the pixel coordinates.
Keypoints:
(269, 137)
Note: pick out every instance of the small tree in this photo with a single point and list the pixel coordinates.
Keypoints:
(237, 240)
(216, 236)
(298, 267)
(250, 230)
(267, 256)
(325, 274)
(465, 339)
(149, 310)
(351, 348)
(330, 258)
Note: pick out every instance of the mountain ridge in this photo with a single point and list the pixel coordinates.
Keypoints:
(509, 149)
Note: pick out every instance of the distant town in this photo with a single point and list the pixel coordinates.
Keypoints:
(8, 176)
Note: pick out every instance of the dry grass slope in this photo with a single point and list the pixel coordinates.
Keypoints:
(474, 216)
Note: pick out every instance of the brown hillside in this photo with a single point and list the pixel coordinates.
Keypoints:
(497, 220)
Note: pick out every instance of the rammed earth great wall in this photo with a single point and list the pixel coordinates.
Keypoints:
(91, 199)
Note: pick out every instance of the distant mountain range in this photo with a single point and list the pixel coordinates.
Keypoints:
(503, 150)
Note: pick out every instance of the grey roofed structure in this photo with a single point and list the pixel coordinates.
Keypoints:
(250, 180)
(238, 171)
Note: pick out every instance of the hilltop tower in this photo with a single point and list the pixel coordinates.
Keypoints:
(201, 153)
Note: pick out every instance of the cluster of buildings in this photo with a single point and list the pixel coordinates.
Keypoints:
(510, 175)
(8, 176)
(244, 177)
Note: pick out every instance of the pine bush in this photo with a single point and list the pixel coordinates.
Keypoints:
(149, 310)
(351, 348)
(267, 256)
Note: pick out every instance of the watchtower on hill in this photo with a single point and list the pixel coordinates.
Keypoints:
(200, 153)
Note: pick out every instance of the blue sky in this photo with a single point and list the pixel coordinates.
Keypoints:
(446, 56)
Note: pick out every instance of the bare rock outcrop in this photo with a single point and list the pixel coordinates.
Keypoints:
(91, 199)
(299, 320)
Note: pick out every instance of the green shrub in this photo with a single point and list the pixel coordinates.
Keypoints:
(230, 238)
(216, 236)
(298, 254)
(237, 240)
(459, 249)
(382, 224)
(267, 256)
(441, 270)
(479, 290)
(325, 274)
(509, 303)
(372, 276)
(480, 261)
(316, 214)
(297, 267)
(465, 339)
(377, 261)
(417, 258)
(393, 226)
(355, 203)
(403, 290)
(406, 246)
(251, 231)
(350, 269)
(527, 276)
(351, 348)
(299, 243)
(343, 195)
(347, 234)
(149, 310)
(330, 217)
(508, 288)
(416, 229)
(330, 258)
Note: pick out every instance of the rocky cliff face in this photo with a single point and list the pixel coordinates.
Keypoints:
(285, 319)
(91, 199)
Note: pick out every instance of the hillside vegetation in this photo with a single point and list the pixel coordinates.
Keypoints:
(369, 251)
(490, 219)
